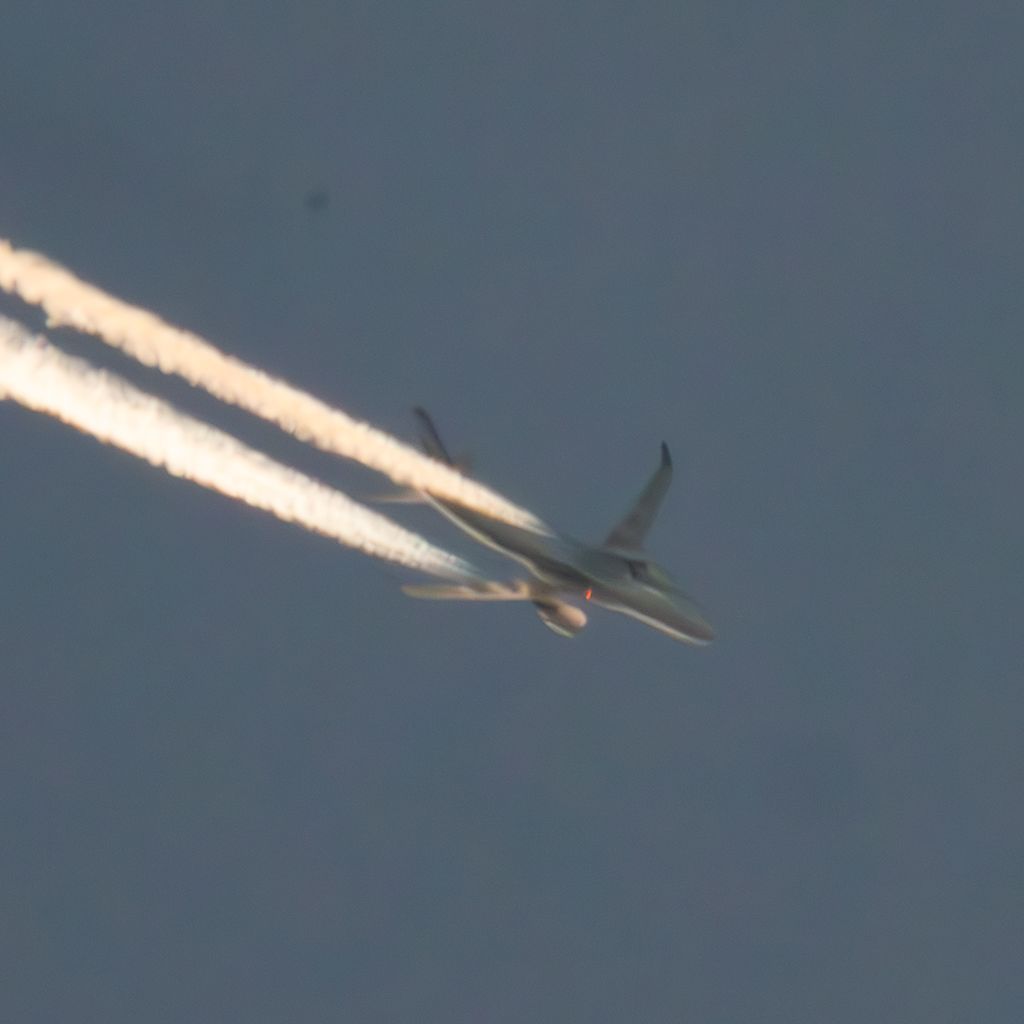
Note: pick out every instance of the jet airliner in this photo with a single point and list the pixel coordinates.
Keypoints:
(617, 574)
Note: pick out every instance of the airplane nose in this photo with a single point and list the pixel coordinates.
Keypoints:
(692, 621)
(701, 630)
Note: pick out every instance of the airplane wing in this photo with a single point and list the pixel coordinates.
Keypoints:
(430, 438)
(485, 590)
(564, 619)
(632, 529)
(432, 444)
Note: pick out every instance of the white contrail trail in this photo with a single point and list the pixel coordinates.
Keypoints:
(41, 377)
(147, 338)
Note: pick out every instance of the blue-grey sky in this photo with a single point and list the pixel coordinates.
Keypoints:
(243, 778)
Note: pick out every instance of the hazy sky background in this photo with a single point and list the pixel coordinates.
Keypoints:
(243, 778)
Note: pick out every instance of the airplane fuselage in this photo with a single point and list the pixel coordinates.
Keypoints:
(621, 581)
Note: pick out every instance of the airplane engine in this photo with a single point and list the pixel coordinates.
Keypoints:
(563, 619)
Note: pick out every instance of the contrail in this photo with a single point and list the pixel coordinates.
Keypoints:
(147, 338)
(41, 377)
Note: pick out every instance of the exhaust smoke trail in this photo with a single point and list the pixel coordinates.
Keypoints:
(41, 377)
(147, 338)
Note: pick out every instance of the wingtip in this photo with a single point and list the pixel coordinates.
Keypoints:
(666, 458)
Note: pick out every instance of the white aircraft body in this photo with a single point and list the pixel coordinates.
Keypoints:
(617, 574)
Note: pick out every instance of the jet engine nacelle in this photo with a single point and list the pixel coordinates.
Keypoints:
(564, 619)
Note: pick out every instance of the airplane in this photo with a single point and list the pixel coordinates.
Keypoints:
(617, 574)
